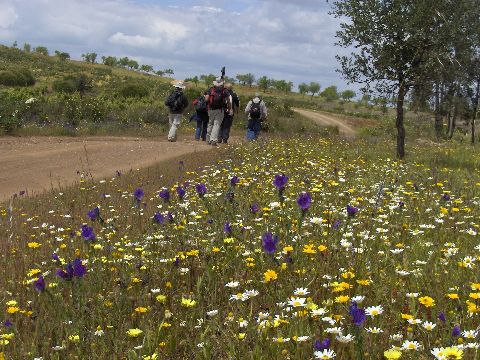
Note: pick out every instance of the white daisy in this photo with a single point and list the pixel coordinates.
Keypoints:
(324, 354)
(358, 299)
(232, 284)
(374, 310)
(374, 330)
(427, 325)
(334, 330)
(411, 345)
(345, 338)
(301, 292)
(297, 302)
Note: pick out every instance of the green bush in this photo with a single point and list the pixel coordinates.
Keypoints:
(65, 85)
(72, 83)
(20, 77)
(133, 90)
(8, 78)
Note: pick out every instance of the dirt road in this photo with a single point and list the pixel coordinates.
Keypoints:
(326, 119)
(35, 164)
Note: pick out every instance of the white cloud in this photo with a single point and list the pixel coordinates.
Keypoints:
(290, 40)
(8, 15)
(134, 40)
(210, 9)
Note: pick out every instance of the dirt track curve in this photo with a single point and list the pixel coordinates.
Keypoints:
(325, 119)
(34, 164)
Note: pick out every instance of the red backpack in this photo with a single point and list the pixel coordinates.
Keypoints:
(217, 99)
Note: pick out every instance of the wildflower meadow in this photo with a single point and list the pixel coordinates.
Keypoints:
(299, 248)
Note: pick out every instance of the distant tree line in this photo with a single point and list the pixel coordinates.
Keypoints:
(123, 62)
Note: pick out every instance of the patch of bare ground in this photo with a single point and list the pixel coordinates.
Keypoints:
(346, 125)
(35, 164)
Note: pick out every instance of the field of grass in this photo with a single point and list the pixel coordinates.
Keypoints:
(296, 248)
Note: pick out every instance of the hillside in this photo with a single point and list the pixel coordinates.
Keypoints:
(78, 98)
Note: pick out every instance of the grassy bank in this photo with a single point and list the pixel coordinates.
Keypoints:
(241, 265)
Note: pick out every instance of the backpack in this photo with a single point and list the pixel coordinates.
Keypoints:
(235, 100)
(174, 101)
(199, 104)
(217, 98)
(255, 111)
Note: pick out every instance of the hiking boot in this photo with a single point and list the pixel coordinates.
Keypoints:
(213, 143)
(172, 140)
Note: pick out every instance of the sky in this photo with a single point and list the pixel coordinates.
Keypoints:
(291, 40)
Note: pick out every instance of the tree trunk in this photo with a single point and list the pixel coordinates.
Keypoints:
(475, 111)
(453, 125)
(438, 113)
(449, 122)
(399, 121)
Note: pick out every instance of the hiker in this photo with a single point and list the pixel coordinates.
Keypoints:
(176, 102)
(218, 103)
(201, 116)
(228, 117)
(256, 111)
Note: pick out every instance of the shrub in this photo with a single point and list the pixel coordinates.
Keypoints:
(65, 85)
(133, 90)
(8, 78)
(20, 77)
(70, 84)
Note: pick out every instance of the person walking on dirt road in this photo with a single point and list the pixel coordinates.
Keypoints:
(176, 102)
(228, 117)
(256, 111)
(201, 116)
(218, 103)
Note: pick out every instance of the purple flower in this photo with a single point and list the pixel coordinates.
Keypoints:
(446, 197)
(201, 189)
(8, 323)
(40, 284)
(227, 228)
(164, 194)
(159, 218)
(280, 181)
(139, 194)
(180, 192)
(78, 268)
(269, 242)
(304, 201)
(254, 208)
(94, 214)
(351, 210)
(357, 314)
(322, 345)
(87, 233)
(55, 257)
(66, 274)
(415, 186)
(74, 269)
(456, 331)
(442, 317)
(170, 217)
(336, 224)
(234, 180)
